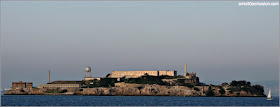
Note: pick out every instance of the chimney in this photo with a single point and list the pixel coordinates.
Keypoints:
(185, 73)
(49, 81)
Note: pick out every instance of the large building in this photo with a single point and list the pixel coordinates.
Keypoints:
(136, 74)
(20, 84)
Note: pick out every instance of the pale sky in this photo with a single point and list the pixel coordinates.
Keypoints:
(220, 41)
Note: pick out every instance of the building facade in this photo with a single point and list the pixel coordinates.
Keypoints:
(92, 78)
(59, 86)
(136, 74)
(20, 84)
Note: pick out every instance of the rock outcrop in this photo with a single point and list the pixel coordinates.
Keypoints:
(144, 90)
(126, 89)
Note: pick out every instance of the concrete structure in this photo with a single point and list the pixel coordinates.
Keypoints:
(92, 78)
(59, 86)
(185, 69)
(66, 82)
(87, 72)
(88, 75)
(190, 75)
(136, 74)
(49, 79)
(20, 84)
(123, 84)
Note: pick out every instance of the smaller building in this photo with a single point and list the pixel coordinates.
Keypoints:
(59, 86)
(191, 78)
(65, 82)
(92, 78)
(20, 84)
(190, 75)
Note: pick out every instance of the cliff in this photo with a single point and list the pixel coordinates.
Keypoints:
(127, 89)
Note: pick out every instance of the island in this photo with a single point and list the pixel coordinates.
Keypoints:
(140, 83)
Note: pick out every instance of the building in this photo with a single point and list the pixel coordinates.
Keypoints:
(20, 84)
(62, 84)
(66, 82)
(59, 86)
(136, 74)
(92, 78)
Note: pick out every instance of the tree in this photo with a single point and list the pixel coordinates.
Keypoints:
(222, 91)
(210, 92)
(249, 83)
(146, 74)
(240, 83)
(238, 94)
(108, 75)
(224, 84)
(233, 83)
(257, 89)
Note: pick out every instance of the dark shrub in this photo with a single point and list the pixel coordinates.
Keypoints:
(195, 88)
(222, 91)
(141, 87)
(257, 89)
(108, 75)
(237, 94)
(210, 92)
(62, 91)
(188, 85)
(240, 83)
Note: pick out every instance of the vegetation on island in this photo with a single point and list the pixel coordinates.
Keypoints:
(150, 85)
(56, 90)
(237, 86)
(146, 79)
(221, 90)
(103, 82)
(234, 88)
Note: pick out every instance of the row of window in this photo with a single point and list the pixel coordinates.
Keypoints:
(59, 85)
(141, 73)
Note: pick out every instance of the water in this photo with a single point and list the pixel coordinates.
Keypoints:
(44, 100)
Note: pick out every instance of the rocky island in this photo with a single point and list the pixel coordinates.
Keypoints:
(140, 83)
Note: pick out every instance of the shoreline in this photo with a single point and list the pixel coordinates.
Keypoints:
(122, 95)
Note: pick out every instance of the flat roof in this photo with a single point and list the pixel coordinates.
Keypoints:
(153, 70)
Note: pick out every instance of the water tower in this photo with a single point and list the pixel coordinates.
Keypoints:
(87, 72)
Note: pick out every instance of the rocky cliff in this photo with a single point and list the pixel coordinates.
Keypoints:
(126, 89)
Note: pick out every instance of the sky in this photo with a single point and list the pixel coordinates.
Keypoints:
(220, 41)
